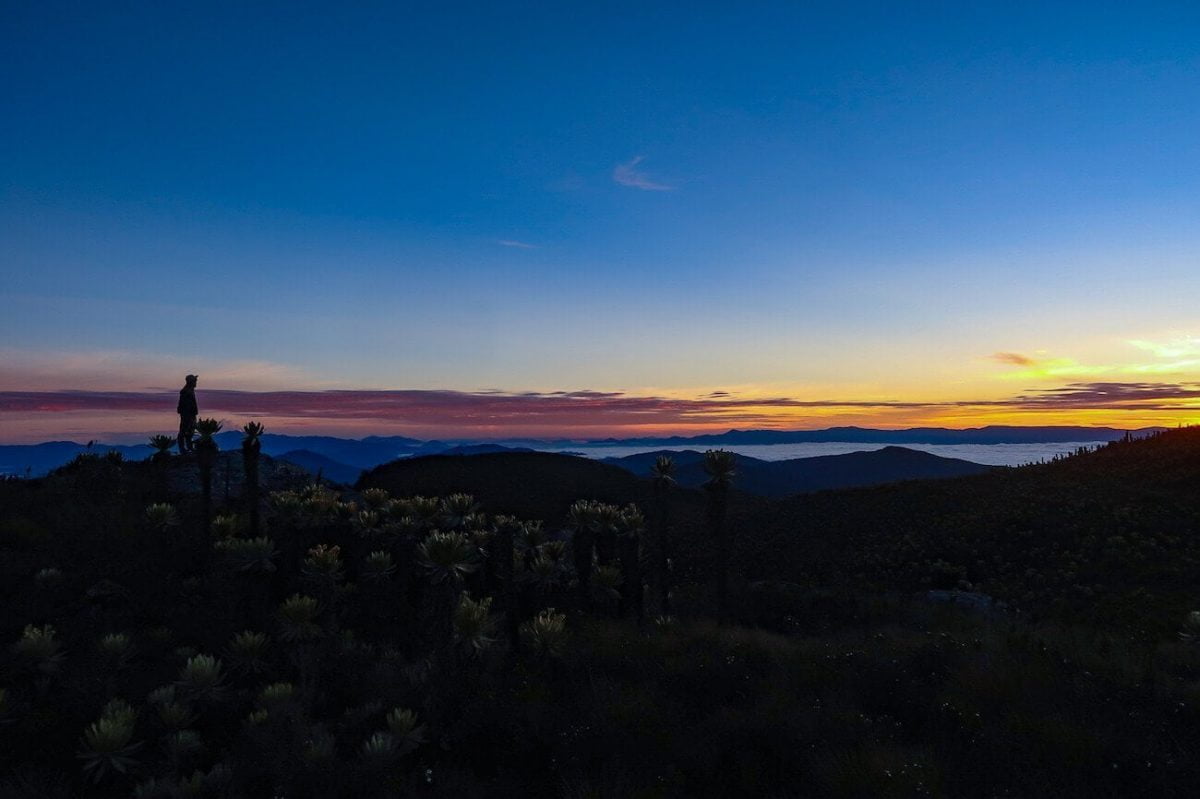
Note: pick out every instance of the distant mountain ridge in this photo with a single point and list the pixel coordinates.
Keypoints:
(366, 453)
(991, 434)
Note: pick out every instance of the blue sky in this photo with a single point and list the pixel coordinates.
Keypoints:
(817, 200)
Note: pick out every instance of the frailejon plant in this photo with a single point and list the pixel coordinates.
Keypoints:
(530, 536)
(248, 554)
(162, 515)
(456, 509)
(447, 559)
(606, 585)
(162, 447)
(630, 525)
(504, 574)
(606, 522)
(406, 729)
(206, 458)
(320, 747)
(378, 566)
(182, 747)
(107, 745)
(161, 458)
(201, 677)
(248, 652)
(48, 577)
(473, 624)
(287, 507)
(226, 526)
(276, 694)
(426, 510)
(375, 498)
(719, 465)
(1190, 632)
(323, 563)
(582, 522)
(546, 633)
(379, 750)
(298, 618)
(173, 713)
(368, 523)
(322, 571)
(251, 450)
(116, 649)
(40, 647)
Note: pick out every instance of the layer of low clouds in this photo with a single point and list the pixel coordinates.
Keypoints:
(471, 411)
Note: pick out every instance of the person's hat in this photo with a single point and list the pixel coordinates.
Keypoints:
(190, 378)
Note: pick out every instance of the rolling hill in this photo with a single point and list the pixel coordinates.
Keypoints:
(316, 463)
(1112, 535)
(798, 475)
(531, 485)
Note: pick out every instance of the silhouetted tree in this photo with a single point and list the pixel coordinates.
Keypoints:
(719, 466)
(502, 562)
(629, 535)
(581, 521)
(251, 449)
(161, 457)
(447, 559)
(662, 475)
(206, 458)
(162, 448)
(605, 523)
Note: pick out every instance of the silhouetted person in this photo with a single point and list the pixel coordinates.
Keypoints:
(188, 411)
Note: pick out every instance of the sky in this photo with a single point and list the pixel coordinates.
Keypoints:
(562, 219)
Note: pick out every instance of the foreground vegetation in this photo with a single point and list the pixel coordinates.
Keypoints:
(166, 638)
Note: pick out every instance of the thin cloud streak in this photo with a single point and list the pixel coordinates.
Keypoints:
(520, 245)
(627, 174)
(1013, 358)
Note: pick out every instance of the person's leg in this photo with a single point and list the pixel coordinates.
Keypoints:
(187, 426)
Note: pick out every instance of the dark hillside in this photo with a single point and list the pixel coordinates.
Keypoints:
(1109, 535)
(543, 485)
(799, 475)
(531, 485)
(328, 468)
(356, 649)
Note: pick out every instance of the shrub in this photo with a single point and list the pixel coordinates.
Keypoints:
(473, 624)
(297, 618)
(162, 515)
(546, 633)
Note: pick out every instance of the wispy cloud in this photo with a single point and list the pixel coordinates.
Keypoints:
(628, 174)
(1111, 396)
(1178, 347)
(1013, 359)
(520, 245)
